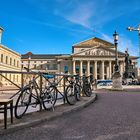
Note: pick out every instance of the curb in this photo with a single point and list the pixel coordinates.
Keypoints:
(40, 117)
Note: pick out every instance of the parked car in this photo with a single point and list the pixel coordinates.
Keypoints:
(104, 82)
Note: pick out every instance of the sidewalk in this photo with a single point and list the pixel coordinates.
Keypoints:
(124, 87)
(35, 118)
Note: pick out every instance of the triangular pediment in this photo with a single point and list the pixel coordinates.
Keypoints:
(93, 42)
(98, 51)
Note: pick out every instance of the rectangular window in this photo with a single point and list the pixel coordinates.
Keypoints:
(2, 58)
(66, 69)
(10, 61)
(6, 59)
(77, 69)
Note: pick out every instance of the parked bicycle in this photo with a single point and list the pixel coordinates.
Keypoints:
(76, 86)
(67, 93)
(32, 94)
(86, 86)
(73, 90)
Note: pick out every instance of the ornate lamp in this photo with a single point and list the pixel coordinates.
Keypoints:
(116, 77)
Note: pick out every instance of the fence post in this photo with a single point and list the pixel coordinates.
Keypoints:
(40, 84)
(40, 91)
(22, 80)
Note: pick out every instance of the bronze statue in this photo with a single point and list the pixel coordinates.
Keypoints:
(128, 66)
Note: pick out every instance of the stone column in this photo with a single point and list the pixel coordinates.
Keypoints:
(102, 67)
(110, 69)
(74, 67)
(95, 70)
(107, 72)
(88, 68)
(81, 68)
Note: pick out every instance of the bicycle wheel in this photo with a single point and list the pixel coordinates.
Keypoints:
(77, 92)
(87, 90)
(49, 98)
(70, 95)
(22, 103)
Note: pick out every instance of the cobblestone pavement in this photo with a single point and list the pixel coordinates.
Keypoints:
(114, 116)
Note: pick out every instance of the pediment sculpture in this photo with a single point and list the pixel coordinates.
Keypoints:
(99, 52)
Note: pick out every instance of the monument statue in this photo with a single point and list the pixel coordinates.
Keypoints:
(129, 73)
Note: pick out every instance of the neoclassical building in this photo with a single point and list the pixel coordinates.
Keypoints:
(9, 61)
(95, 56)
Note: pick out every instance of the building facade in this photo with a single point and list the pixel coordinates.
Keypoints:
(93, 56)
(9, 61)
(42, 62)
(96, 56)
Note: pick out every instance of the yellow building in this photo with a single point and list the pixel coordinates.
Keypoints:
(9, 61)
(41, 62)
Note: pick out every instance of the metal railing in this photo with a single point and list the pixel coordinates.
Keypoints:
(60, 80)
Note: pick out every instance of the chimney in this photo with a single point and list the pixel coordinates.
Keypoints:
(1, 30)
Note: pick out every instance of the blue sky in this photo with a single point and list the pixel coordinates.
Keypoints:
(53, 26)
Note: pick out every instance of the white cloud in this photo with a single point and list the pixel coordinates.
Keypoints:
(81, 15)
(78, 14)
(95, 13)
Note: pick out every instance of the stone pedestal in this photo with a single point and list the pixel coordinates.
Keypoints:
(117, 81)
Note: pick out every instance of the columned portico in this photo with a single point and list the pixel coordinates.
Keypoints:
(95, 56)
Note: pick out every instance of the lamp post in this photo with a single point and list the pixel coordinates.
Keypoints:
(116, 36)
(116, 77)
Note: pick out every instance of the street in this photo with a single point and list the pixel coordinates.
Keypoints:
(114, 116)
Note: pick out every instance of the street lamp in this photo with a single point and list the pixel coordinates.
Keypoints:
(136, 29)
(116, 77)
(116, 36)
